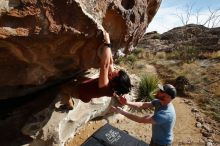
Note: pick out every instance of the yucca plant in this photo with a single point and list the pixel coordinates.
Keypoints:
(147, 87)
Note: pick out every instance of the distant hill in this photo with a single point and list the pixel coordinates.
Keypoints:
(197, 36)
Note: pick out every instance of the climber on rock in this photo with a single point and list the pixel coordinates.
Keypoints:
(112, 83)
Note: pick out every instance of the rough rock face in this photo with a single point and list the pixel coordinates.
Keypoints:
(51, 127)
(54, 128)
(46, 124)
(45, 41)
(152, 42)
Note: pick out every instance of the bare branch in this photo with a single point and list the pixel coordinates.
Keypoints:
(180, 16)
(216, 18)
(216, 21)
(197, 14)
(212, 20)
(188, 13)
(185, 18)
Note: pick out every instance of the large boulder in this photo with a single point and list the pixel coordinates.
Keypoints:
(53, 126)
(42, 42)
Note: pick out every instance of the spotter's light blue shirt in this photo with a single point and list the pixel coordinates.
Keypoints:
(165, 118)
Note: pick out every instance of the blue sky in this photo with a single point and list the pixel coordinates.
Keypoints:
(166, 17)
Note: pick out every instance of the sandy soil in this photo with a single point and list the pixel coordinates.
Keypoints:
(185, 131)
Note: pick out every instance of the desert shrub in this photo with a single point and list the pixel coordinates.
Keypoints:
(147, 87)
(131, 59)
(137, 51)
(186, 53)
(175, 54)
(215, 55)
(161, 55)
(216, 116)
(119, 60)
(156, 37)
(210, 106)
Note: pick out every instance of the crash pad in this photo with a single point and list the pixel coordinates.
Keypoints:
(108, 135)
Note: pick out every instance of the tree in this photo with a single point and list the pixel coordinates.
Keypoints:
(185, 17)
(213, 19)
(188, 13)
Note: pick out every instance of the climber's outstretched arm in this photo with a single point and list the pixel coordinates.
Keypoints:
(106, 66)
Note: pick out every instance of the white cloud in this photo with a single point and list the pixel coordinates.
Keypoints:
(164, 20)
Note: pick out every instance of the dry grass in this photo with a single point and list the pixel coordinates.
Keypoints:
(215, 55)
(203, 74)
(160, 55)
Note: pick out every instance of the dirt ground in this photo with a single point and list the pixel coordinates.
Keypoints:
(185, 131)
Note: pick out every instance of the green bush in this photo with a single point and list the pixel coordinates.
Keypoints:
(119, 60)
(137, 51)
(129, 59)
(186, 53)
(190, 53)
(147, 87)
(156, 37)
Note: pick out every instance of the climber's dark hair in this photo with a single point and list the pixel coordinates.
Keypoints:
(121, 83)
